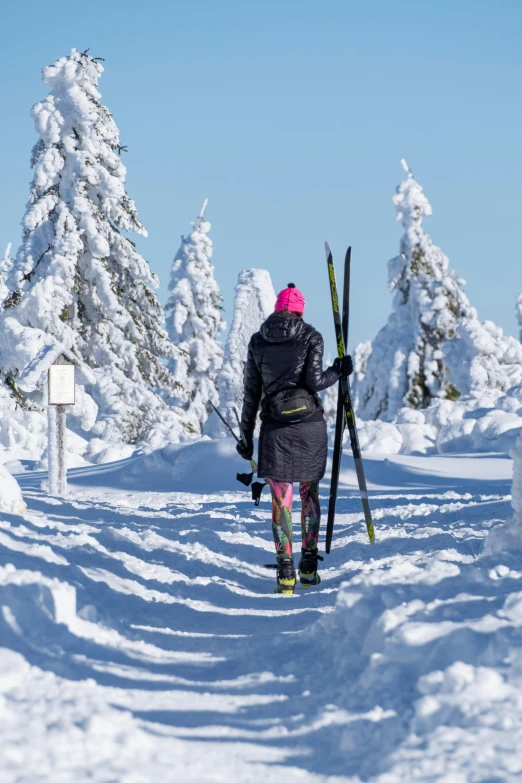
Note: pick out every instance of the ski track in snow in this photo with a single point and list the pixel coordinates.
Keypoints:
(141, 638)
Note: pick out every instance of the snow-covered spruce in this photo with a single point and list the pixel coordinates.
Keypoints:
(483, 361)
(6, 264)
(194, 323)
(406, 364)
(253, 302)
(77, 277)
(486, 367)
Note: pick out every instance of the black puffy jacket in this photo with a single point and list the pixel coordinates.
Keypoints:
(287, 353)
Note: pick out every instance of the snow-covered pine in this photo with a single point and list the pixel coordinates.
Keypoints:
(406, 367)
(6, 264)
(77, 277)
(483, 361)
(194, 323)
(486, 367)
(253, 302)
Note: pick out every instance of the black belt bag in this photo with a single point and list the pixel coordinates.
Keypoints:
(291, 405)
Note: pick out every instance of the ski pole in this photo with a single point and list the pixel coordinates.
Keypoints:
(227, 425)
(257, 486)
(246, 478)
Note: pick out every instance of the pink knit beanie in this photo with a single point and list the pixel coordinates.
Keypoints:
(290, 299)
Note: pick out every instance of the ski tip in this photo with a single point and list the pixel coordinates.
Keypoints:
(328, 249)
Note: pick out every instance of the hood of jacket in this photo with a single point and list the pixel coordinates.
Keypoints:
(281, 327)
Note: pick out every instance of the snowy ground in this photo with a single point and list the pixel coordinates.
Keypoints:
(141, 640)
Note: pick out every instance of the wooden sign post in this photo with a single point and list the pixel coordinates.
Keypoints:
(61, 387)
(52, 371)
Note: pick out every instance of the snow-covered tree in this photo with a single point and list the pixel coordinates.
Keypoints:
(405, 366)
(253, 302)
(194, 323)
(6, 264)
(482, 361)
(77, 276)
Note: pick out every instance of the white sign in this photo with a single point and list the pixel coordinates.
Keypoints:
(61, 384)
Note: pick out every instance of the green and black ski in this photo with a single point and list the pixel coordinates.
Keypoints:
(339, 421)
(345, 414)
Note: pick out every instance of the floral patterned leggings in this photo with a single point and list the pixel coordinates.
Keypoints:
(282, 496)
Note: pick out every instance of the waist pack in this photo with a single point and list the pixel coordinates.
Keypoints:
(290, 405)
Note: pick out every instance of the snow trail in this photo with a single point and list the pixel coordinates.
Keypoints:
(140, 636)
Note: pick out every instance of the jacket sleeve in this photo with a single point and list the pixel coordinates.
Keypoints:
(251, 395)
(315, 379)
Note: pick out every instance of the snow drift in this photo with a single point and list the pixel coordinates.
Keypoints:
(140, 633)
(11, 500)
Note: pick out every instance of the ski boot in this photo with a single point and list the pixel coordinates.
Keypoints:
(285, 576)
(308, 575)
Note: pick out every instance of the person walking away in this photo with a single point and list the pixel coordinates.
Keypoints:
(283, 375)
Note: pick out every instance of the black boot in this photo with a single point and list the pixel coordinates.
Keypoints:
(308, 567)
(285, 575)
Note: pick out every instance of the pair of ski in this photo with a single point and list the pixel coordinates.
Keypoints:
(345, 415)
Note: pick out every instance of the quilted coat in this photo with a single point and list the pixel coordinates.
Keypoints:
(286, 353)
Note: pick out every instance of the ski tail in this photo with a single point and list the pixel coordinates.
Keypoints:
(349, 417)
(346, 296)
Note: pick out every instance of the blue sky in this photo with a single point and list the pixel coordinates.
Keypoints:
(292, 117)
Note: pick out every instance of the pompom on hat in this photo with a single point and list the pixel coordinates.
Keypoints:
(290, 299)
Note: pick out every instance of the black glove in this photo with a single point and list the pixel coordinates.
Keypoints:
(245, 450)
(344, 366)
